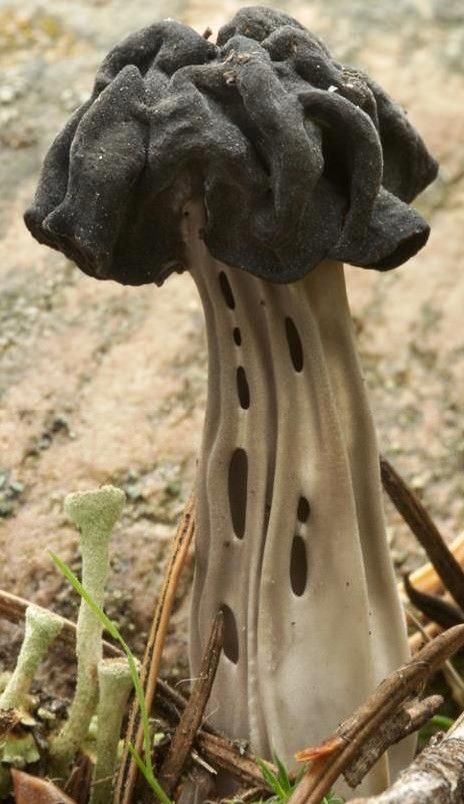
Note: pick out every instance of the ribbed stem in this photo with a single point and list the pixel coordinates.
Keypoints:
(291, 538)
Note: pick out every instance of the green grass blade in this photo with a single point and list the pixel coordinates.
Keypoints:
(272, 780)
(283, 776)
(267, 775)
(149, 777)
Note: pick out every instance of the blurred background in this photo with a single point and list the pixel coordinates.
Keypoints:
(100, 383)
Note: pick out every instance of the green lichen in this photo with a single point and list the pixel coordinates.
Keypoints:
(42, 627)
(94, 513)
(115, 684)
(20, 751)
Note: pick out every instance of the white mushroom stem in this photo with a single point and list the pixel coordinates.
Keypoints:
(115, 684)
(41, 628)
(95, 514)
(290, 540)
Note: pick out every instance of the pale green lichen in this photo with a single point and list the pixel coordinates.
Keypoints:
(20, 751)
(42, 627)
(115, 684)
(95, 514)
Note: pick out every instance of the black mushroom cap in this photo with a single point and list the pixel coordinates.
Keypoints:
(296, 157)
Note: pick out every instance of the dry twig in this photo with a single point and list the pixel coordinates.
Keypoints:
(409, 718)
(192, 715)
(437, 775)
(425, 530)
(382, 705)
(436, 609)
(224, 754)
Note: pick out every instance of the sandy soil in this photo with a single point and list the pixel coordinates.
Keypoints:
(100, 383)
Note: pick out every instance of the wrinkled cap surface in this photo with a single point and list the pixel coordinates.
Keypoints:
(296, 157)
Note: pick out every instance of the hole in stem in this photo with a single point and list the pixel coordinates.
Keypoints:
(304, 509)
(242, 388)
(230, 645)
(237, 336)
(294, 344)
(226, 291)
(298, 566)
(238, 485)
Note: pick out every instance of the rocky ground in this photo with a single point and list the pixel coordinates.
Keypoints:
(100, 383)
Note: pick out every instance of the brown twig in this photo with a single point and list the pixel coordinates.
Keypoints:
(437, 775)
(192, 715)
(452, 677)
(409, 718)
(425, 530)
(223, 754)
(381, 705)
(435, 608)
(128, 770)
(218, 750)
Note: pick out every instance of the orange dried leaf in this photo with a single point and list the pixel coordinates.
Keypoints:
(325, 749)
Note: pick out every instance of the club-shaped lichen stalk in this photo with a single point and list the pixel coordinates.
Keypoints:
(94, 513)
(260, 164)
(115, 684)
(41, 629)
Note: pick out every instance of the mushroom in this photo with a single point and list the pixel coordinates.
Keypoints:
(259, 164)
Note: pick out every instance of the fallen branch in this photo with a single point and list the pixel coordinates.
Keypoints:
(451, 676)
(409, 718)
(224, 754)
(218, 750)
(192, 715)
(128, 770)
(425, 530)
(437, 775)
(349, 739)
